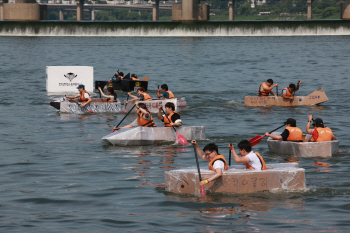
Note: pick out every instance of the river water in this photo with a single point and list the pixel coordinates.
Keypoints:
(57, 175)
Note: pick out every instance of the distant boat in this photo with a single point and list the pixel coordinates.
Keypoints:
(316, 97)
(152, 105)
(125, 85)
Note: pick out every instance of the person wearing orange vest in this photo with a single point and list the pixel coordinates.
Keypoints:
(320, 133)
(252, 160)
(112, 96)
(143, 96)
(217, 162)
(172, 118)
(291, 133)
(165, 92)
(144, 118)
(265, 89)
(134, 77)
(288, 92)
(83, 95)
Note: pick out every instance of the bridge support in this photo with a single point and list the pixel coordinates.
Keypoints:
(61, 14)
(1, 10)
(190, 10)
(92, 13)
(155, 5)
(345, 10)
(80, 10)
(231, 9)
(309, 9)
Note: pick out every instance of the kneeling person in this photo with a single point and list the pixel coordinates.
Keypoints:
(217, 162)
(320, 133)
(291, 133)
(171, 118)
(248, 157)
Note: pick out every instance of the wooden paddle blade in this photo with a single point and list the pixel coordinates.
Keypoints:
(181, 139)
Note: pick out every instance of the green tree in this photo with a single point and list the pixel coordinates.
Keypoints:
(101, 16)
(329, 11)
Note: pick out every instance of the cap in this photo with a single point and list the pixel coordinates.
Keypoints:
(318, 123)
(290, 121)
(133, 75)
(81, 86)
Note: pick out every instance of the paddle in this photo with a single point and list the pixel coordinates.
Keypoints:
(293, 95)
(180, 138)
(199, 171)
(229, 158)
(124, 117)
(84, 107)
(255, 140)
(277, 90)
(125, 105)
(98, 84)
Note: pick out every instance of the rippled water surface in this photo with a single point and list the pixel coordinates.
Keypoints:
(57, 175)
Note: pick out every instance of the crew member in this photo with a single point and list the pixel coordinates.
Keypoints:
(112, 95)
(288, 92)
(320, 133)
(144, 118)
(83, 95)
(143, 96)
(134, 77)
(265, 89)
(118, 77)
(171, 118)
(217, 162)
(252, 160)
(165, 92)
(291, 133)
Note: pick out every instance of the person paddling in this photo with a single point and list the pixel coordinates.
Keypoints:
(171, 118)
(291, 132)
(143, 96)
(288, 92)
(165, 92)
(265, 89)
(217, 162)
(112, 96)
(144, 118)
(83, 95)
(320, 133)
(134, 77)
(252, 160)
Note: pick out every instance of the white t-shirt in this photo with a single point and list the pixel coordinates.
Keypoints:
(254, 161)
(86, 95)
(219, 164)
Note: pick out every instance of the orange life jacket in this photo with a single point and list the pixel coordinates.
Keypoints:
(171, 95)
(111, 101)
(289, 94)
(82, 98)
(265, 92)
(145, 123)
(221, 157)
(134, 79)
(324, 134)
(295, 134)
(263, 165)
(166, 121)
(146, 96)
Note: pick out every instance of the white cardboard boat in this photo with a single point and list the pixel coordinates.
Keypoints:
(237, 179)
(303, 149)
(96, 106)
(316, 97)
(139, 136)
(152, 105)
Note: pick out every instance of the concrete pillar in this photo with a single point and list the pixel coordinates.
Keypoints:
(61, 14)
(309, 9)
(345, 10)
(231, 9)
(80, 10)
(1, 10)
(92, 13)
(155, 5)
(189, 10)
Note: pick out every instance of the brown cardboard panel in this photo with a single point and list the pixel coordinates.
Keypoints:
(237, 179)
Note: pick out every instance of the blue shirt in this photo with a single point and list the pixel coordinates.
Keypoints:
(165, 95)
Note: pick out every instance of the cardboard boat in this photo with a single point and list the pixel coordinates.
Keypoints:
(152, 105)
(237, 179)
(305, 149)
(139, 136)
(316, 97)
(125, 85)
(96, 106)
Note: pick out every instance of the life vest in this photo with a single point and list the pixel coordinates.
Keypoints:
(146, 96)
(324, 134)
(82, 98)
(166, 121)
(265, 92)
(134, 79)
(263, 165)
(295, 134)
(221, 157)
(289, 94)
(145, 123)
(171, 95)
(111, 101)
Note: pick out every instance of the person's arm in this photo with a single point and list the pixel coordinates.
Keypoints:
(238, 159)
(87, 102)
(103, 94)
(72, 97)
(272, 93)
(160, 116)
(298, 86)
(308, 125)
(334, 138)
(284, 95)
(176, 119)
(274, 136)
(199, 151)
(145, 113)
(214, 177)
(158, 94)
(265, 87)
(134, 98)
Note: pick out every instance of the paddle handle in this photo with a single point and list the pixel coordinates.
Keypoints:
(229, 156)
(275, 129)
(199, 171)
(126, 115)
(277, 90)
(168, 119)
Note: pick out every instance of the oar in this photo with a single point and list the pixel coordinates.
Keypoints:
(98, 85)
(180, 138)
(126, 105)
(199, 171)
(277, 90)
(229, 154)
(124, 117)
(84, 107)
(255, 140)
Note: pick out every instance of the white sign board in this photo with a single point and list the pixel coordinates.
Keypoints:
(67, 78)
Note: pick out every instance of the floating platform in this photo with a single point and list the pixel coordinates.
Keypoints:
(140, 136)
(237, 179)
(125, 85)
(152, 105)
(316, 97)
(305, 149)
(96, 106)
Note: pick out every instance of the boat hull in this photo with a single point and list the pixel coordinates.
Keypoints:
(304, 149)
(152, 105)
(316, 97)
(237, 179)
(139, 136)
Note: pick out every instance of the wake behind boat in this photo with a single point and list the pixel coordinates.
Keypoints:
(152, 105)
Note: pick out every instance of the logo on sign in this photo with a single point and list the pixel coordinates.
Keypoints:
(137, 84)
(70, 76)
